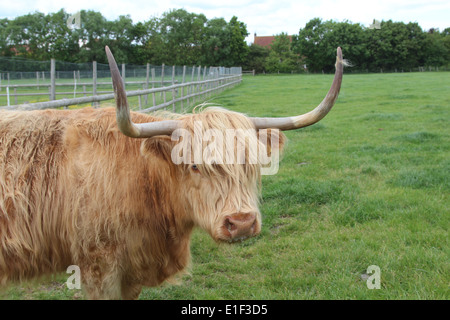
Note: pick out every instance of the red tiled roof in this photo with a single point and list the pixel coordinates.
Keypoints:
(17, 52)
(265, 41)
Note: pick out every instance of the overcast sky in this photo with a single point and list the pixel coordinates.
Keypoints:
(264, 17)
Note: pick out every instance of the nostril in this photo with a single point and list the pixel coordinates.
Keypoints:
(230, 225)
(240, 225)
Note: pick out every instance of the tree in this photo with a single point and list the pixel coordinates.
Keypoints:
(26, 36)
(281, 58)
(238, 49)
(436, 53)
(214, 45)
(446, 42)
(4, 42)
(312, 45)
(60, 42)
(350, 37)
(393, 46)
(318, 41)
(178, 37)
(386, 46)
(121, 38)
(183, 38)
(256, 58)
(138, 54)
(93, 37)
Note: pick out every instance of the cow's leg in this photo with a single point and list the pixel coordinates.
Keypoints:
(131, 291)
(101, 285)
(101, 274)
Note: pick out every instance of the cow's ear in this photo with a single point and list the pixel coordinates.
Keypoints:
(272, 136)
(159, 146)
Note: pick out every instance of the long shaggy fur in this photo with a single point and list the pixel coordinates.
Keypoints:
(75, 191)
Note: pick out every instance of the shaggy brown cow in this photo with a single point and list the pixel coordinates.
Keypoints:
(77, 188)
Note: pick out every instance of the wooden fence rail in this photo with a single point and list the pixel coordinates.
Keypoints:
(184, 92)
(157, 80)
(71, 84)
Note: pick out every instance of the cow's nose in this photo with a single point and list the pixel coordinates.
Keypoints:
(240, 226)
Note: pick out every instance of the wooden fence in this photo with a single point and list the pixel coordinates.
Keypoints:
(189, 91)
(179, 90)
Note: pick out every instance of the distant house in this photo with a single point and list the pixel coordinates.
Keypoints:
(265, 41)
(15, 50)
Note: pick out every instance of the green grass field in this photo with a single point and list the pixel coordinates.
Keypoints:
(368, 185)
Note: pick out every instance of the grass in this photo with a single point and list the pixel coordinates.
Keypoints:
(368, 185)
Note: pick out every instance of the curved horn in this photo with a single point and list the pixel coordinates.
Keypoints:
(307, 119)
(126, 126)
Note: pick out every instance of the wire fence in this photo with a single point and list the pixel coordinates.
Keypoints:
(398, 70)
(153, 87)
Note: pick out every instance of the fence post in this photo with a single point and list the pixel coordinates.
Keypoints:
(74, 84)
(191, 87)
(217, 82)
(147, 76)
(52, 80)
(209, 86)
(153, 86)
(123, 74)
(182, 88)
(173, 90)
(162, 84)
(94, 81)
(7, 96)
(198, 79)
(205, 85)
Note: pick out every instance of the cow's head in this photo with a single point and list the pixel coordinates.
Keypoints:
(220, 184)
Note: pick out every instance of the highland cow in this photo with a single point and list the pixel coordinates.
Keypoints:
(98, 188)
